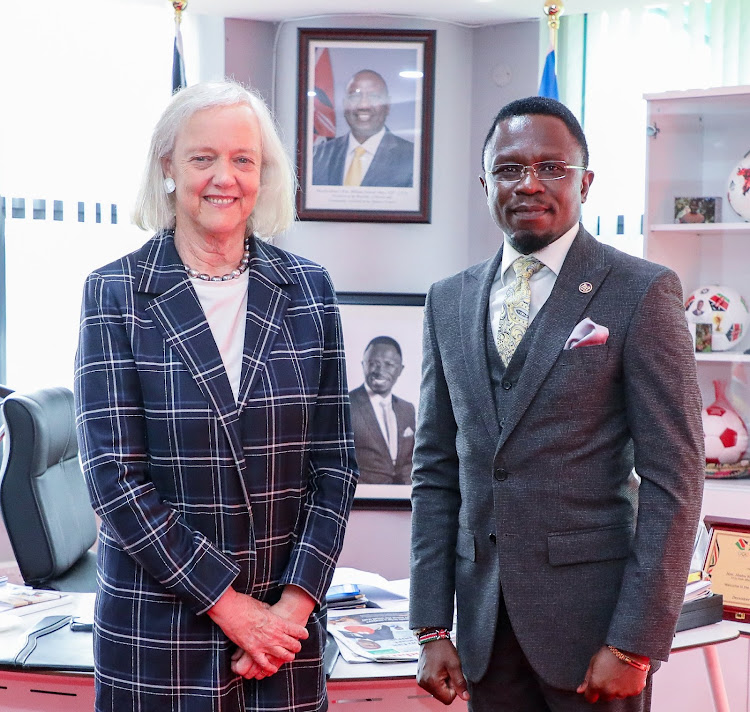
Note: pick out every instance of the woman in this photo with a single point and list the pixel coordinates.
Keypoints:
(214, 428)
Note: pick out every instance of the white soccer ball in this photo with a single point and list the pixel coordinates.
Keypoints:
(724, 309)
(738, 188)
(725, 434)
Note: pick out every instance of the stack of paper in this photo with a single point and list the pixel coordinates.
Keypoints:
(24, 600)
(698, 586)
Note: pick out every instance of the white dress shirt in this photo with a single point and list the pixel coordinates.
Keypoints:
(370, 146)
(383, 407)
(552, 257)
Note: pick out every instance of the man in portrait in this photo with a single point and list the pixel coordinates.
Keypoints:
(369, 154)
(383, 423)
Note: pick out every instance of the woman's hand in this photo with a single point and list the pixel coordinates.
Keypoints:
(266, 638)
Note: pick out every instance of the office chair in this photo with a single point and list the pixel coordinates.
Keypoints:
(43, 497)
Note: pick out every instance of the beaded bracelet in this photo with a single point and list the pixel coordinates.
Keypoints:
(643, 667)
(427, 635)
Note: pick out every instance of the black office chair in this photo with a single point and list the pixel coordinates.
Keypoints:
(43, 498)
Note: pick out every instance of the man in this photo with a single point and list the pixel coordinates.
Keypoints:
(383, 424)
(370, 155)
(524, 501)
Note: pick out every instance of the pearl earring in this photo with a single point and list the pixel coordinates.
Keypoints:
(169, 185)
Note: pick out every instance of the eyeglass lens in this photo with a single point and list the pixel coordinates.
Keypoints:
(543, 170)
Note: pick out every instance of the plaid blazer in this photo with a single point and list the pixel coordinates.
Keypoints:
(197, 491)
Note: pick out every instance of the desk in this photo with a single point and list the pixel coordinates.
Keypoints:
(364, 687)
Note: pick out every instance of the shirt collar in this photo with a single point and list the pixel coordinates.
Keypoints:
(370, 145)
(377, 397)
(552, 256)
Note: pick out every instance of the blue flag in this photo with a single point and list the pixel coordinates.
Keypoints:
(548, 85)
(178, 64)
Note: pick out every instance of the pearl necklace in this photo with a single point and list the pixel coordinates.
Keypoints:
(241, 268)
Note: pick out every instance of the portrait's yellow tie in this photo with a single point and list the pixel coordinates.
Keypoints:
(354, 174)
(514, 311)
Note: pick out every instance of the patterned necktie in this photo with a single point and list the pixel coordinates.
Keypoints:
(354, 174)
(514, 311)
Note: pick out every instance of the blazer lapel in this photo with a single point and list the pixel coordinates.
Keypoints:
(585, 265)
(475, 296)
(267, 301)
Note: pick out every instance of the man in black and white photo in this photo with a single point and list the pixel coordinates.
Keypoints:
(383, 423)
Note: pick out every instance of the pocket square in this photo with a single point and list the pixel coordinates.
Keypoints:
(408, 432)
(587, 333)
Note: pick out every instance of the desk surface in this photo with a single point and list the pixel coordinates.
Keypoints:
(83, 605)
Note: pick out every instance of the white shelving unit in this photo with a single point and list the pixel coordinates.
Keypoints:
(696, 138)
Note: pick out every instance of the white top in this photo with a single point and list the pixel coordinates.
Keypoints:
(370, 146)
(383, 407)
(552, 257)
(225, 307)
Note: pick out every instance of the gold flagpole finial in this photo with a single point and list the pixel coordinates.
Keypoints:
(553, 9)
(179, 6)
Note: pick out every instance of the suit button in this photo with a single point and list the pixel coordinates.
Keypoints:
(507, 385)
(493, 538)
(501, 474)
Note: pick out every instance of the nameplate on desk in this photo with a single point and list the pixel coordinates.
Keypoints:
(728, 564)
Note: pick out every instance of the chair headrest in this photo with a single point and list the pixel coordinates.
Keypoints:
(48, 417)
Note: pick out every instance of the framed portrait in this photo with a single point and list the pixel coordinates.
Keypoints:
(383, 343)
(364, 124)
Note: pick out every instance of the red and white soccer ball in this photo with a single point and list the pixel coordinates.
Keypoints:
(725, 434)
(722, 307)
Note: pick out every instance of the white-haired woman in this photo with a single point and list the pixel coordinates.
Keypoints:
(214, 428)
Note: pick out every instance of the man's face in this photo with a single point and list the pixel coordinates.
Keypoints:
(382, 367)
(366, 105)
(534, 213)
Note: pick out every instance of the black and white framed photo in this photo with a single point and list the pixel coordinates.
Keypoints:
(364, 124)
(383, 342)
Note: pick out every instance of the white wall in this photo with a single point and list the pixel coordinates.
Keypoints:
(383, 257)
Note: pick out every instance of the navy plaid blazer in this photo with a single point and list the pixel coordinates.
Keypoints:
(197, 491)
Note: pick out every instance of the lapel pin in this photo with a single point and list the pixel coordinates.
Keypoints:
(585, 287)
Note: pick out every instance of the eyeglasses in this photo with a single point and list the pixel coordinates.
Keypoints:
(542, 170)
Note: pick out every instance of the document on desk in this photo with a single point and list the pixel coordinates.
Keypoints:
(372, 635)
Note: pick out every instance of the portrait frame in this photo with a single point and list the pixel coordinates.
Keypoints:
(365, 315)
(394, 189)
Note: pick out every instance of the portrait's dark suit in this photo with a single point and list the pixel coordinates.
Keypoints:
(392, 165)
(197, 490)
(373, 457)
(522, 480)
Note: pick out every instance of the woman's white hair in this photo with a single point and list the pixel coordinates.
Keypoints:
(274, 208)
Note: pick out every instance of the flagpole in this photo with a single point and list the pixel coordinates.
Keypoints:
(178, 62)
(553, 9)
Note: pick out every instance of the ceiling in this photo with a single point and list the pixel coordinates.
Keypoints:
(471, 12)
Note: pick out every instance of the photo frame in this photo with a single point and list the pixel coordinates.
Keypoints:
(728, 564)
(384, 484)
(371, 90)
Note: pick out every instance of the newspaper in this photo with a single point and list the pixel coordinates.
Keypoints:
(373, 635)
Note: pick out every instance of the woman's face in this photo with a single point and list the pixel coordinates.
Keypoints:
(216, 169)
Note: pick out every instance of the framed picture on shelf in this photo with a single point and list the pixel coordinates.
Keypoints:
(697, 210)
(364, 124)
(383, 342)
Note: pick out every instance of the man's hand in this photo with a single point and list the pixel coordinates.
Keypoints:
(439, 671)
(267, 639)
(609, 678)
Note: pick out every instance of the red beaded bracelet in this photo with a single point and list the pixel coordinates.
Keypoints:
(427, 635)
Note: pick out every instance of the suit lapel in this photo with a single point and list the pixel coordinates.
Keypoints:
(585, 264)
(475, 296)
(268, 298)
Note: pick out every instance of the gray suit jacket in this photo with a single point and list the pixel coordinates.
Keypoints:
(373, 456)
(392, 165)
(542, 504)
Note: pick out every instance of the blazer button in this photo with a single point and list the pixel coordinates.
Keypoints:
(507, 385)
(493, 538)
(501, 474)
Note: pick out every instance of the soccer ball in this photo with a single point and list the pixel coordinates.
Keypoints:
(738, 188)
(724, 431)
(724, 309)
(725, 434)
